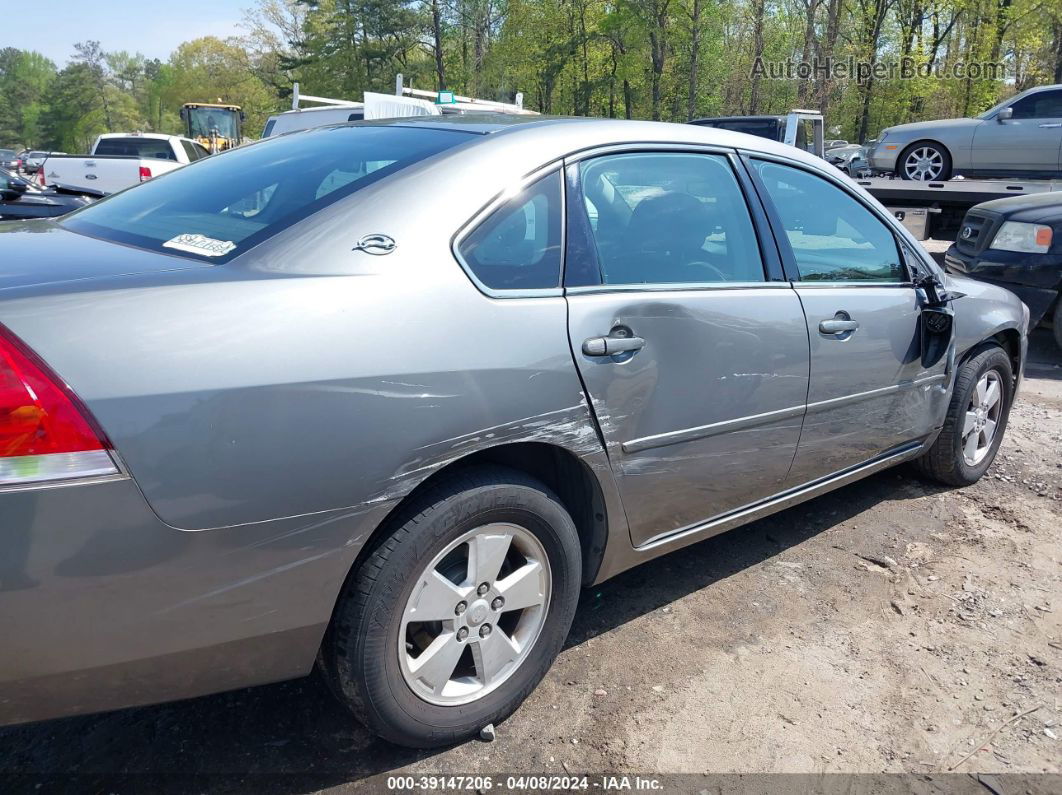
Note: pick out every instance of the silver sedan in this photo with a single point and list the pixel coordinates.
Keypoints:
(1021, 136)
(379, 399)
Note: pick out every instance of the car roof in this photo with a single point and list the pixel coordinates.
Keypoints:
(480, 124)
(1048, 201)
(738, 119)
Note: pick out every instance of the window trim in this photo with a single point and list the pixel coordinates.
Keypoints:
(496, 202)
(782, 241)
(770, 255)
(1033, 98)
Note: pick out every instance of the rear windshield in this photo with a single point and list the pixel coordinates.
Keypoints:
(158, 148)
(221, 206)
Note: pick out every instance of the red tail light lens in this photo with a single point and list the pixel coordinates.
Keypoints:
(145, 173)
(45, 434)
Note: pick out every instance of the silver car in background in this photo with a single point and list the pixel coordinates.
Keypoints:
(1021, 136)
(380, 398)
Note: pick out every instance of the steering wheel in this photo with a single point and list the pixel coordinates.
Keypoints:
(709, 266)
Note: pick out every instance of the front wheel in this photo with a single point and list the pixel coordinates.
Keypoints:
(974, 424)
(1056, 321)
(924, 162)
(458, 614)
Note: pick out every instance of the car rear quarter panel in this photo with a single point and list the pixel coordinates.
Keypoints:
(984, 312)
(271, 413)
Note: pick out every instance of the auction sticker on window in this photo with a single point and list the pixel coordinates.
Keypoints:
(200, 244)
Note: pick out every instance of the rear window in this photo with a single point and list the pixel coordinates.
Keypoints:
(222, 206)
(158, 148)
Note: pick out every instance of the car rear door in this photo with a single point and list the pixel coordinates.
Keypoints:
(691, 346)
(869, 394)
(1030, 141)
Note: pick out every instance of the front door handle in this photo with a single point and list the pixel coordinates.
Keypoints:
(610, 346)
(840, 324)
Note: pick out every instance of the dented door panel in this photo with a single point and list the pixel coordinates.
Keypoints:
(705, 417)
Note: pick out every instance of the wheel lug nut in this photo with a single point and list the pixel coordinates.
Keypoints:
(497, 603)
(484, 630)
(462, 633)
(483, 588)
(461, 607)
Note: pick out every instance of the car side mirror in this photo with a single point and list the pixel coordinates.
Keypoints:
(18, 185)
(8, 193)
(1005, 115)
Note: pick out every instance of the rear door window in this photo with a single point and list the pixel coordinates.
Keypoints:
(518, 246)
(226, 205)
(833, 237)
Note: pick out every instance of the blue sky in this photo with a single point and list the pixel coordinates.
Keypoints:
(153, 27)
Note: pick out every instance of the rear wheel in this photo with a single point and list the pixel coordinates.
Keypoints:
(976, 419)
(924, 161)
(457, 615)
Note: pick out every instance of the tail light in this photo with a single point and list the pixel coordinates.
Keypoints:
(45, 432)
(145, 173)
(40, 176)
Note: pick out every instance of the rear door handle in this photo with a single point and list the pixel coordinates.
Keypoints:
(610, 346)
(838, 326)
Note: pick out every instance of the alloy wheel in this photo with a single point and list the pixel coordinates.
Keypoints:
(474, 614)
(925, 163)
(982, 418)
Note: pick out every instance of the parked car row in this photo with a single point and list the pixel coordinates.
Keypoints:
(1016, 243)
(1019, 137)
(120, 160)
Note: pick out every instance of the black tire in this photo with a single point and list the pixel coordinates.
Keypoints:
(1056, 322)
(359, 656)
(944, 461)
(945, 157)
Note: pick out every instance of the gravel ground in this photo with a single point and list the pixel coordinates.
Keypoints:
(891, 626)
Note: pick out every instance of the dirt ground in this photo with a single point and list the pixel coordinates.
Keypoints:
(891, 626)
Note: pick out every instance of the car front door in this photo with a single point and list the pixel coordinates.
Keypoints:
(869, 394)
(1030, 141)
(691, 345)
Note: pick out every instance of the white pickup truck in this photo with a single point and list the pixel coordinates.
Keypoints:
(119, 160)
